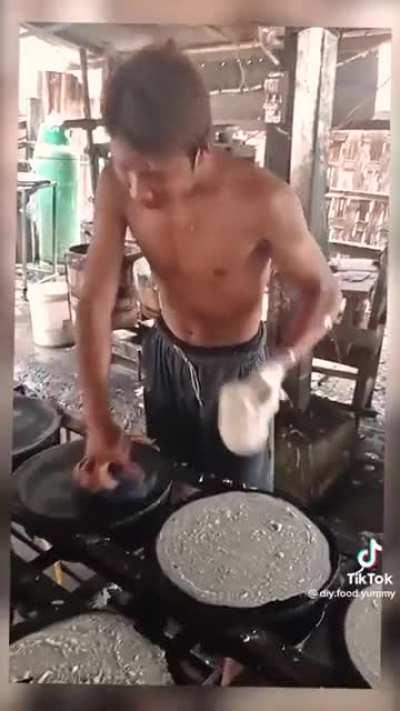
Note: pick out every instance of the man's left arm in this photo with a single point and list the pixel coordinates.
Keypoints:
(302, 265)
(246, 406)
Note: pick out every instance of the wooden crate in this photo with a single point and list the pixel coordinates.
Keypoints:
(358, 187)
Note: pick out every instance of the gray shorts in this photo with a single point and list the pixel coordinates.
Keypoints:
(181, 389)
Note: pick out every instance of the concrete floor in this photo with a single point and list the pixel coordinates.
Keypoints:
(51, 373)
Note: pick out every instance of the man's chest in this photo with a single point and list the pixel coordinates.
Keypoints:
(198, 244)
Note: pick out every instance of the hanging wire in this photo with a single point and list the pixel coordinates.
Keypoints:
(360, 55)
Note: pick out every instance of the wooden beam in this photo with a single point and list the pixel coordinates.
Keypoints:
(330, 368)
(298, 152)
(318, 214)
(277, 160)
(223, 47)
(355, 249)
(34, 119)
(278, 136)
(83, 123)
(368, 125)
(87, 114)
(312, 120)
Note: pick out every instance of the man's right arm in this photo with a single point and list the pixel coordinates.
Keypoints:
(102, 274)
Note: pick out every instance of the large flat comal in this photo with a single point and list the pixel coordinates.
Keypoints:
(243, 550)
(93, 648)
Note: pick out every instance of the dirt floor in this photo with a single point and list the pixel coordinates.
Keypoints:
(342, 390)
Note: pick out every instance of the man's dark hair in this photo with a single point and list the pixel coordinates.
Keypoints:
(156, 101)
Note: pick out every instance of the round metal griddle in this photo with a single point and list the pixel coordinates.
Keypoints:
(269, 632)
(46, 496)
(91, 648)
(36, 426)
(277, 615)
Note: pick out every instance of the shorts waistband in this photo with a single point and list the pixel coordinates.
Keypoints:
(251, 346)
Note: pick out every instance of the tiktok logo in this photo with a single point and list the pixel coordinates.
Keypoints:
(368, 557)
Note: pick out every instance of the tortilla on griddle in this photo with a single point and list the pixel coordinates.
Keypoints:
(243, 550)
(363, 635)
(94, 648)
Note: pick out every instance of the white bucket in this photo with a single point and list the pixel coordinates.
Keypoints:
(50, 314)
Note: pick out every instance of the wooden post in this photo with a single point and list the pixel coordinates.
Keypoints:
(312, 120)
(34, 118)
(278, 136)
(87, 115)
(311, 63)
(277, 160)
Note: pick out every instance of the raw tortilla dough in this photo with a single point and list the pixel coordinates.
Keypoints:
(97, 648)
(243, 550)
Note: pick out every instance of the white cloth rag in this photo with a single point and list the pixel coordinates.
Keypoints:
(246, 408)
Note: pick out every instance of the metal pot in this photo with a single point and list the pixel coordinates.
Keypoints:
(126, 312)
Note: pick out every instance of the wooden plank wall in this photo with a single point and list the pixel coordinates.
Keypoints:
(62, 93)
(359, 180)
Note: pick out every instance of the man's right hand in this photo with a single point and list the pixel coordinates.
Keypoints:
(106, 447)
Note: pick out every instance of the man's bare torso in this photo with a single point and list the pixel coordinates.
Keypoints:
(208, 253)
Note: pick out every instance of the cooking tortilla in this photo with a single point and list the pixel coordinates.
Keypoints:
(243, 550)
(363, 635)
(97, 648)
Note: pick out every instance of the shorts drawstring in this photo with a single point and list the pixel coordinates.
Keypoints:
(194, 378)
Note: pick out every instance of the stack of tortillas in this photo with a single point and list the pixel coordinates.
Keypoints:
(243, 550)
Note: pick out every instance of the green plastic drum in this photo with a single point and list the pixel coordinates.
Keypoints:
(54, 160)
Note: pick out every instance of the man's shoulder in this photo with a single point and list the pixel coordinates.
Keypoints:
(272, 201)
(275, 194)
(110, 191)
(108, 178)
(247, 176)
(271, 187)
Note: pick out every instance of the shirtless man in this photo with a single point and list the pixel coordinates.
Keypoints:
(209, 225)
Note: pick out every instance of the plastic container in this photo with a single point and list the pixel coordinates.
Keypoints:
(50, 314)
(55, 160)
